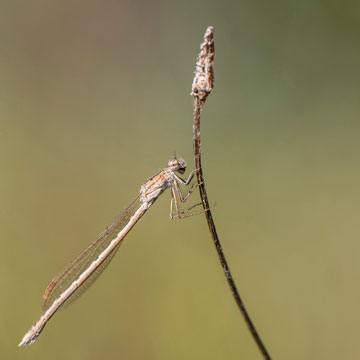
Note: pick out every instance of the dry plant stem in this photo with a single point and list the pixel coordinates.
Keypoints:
(201, 88)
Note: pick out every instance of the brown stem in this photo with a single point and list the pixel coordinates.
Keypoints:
(201, 88)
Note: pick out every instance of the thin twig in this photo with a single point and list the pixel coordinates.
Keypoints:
(202, 85)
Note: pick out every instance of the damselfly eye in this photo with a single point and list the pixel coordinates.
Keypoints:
(177, 164)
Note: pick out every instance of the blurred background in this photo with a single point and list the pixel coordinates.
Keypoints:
(95, 98)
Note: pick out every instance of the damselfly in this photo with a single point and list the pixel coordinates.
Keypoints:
(86, 267)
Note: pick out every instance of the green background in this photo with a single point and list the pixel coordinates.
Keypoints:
(94, 98)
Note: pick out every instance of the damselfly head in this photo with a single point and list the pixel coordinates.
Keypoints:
(178, 165)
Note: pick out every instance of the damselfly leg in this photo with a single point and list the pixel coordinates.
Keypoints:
(178, 196)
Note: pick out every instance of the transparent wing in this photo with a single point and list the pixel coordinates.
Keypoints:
(71, 272)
